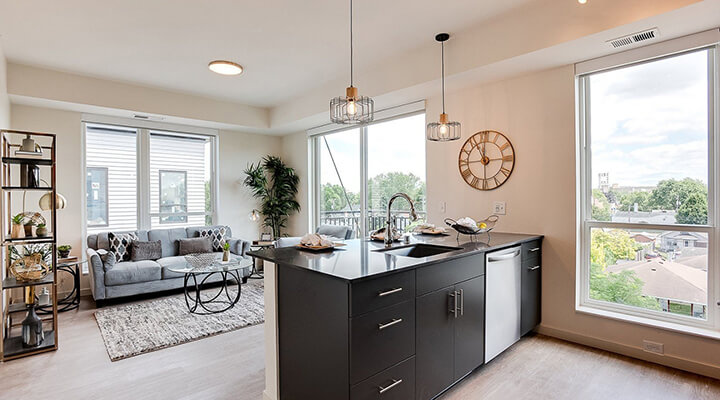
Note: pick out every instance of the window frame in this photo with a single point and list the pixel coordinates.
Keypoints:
(314, 142)
(585, 224)
(144, 130)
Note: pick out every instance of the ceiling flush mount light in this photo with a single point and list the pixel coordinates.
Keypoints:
(223, 67)
(582, 1)
(443, 130)
(351, 108)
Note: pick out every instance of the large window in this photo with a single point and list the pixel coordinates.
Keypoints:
(358, 169)
(138, 178)
(647, 192)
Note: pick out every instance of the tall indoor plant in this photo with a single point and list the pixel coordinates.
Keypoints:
(276, 186)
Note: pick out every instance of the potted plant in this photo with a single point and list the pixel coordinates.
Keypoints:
(17, 231)
(28, 227)
(276, 186)
(41, 230)
(226, 251)
(64, 250)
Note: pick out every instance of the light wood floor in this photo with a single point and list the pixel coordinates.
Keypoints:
(231, 366)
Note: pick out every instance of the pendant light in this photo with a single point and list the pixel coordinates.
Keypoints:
(444, 130)
(351, 108)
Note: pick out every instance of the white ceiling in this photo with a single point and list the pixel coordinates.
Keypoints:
(287, 47)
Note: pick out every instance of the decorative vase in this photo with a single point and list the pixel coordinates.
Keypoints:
(226, 255)
(32, 329)
(17, 231)
(41, 231)
(28, 230)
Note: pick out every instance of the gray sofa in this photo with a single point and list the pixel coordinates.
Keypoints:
(130, 278)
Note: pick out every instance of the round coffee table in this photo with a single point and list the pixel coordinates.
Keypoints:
(196, 280)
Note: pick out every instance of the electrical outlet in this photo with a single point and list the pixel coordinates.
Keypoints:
(443, 206)
(653, 347)
(499, 208)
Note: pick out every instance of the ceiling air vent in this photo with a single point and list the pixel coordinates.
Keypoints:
(147, 117)
(649, 34)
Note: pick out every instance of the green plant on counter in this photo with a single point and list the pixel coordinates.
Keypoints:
(65, 247)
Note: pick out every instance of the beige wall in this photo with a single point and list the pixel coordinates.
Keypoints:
(295, 154)
(4, 100)
(237, 149)
(537, 113)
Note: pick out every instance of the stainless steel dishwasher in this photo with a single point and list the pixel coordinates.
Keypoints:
(502, 301)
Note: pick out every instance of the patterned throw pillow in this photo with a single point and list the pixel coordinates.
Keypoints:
(120, 245)
(217, 237)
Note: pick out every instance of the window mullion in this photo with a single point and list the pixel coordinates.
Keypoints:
(143, 179)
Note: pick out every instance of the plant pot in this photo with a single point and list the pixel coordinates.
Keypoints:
(64, 253)
(28, 230)
(226, 255)
(17, 231)
(41, 232)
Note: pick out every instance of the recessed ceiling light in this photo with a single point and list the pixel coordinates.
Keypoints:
(223, 67)
(582, 1)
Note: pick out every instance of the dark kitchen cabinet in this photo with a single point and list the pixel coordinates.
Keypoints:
(530, 295)
(450, 331)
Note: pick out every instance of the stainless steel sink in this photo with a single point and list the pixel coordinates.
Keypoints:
(418, 250)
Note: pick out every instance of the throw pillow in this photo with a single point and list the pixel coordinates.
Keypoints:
(146, 250)
(120, 245)
(107, 258)
(217, 237)
(194, 245)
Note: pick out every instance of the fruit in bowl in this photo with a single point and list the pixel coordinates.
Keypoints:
(482, 225)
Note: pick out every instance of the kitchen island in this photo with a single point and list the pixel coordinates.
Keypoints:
(368, 322)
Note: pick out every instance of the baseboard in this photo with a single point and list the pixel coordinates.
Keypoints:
(712, 371)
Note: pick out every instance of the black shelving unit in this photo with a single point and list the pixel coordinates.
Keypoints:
(13, 305)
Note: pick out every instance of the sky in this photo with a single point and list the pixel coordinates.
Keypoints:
(393, 146)
(649, 122)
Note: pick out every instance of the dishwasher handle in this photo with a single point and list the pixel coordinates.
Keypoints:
(503, 257)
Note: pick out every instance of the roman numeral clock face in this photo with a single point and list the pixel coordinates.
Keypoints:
(486, 160)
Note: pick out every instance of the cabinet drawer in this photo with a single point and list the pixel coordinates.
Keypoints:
(380, 339)
(381, 292)
(531, 249)
(448, 273)
(395, 383)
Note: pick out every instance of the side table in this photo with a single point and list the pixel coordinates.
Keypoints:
(257, 272)
(72, 300)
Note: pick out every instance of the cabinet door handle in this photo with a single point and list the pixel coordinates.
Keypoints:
(462, 302)
(389, 292)
(535, 249)
(534, 268)
(454, 309)
(389, 324)
(394, 383)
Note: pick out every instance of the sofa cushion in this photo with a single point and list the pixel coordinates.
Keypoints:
(168, 239)
(101, 240)
(194, 245)
(216, 235)
(120, 244)
(145, 250)
(194, 231)
(126, 272)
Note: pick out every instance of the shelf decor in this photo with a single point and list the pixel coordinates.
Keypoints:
(28, 262)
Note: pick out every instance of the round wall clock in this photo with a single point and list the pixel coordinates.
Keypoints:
(486, 160)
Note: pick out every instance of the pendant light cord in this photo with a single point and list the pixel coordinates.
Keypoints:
(351, 43)
(442, 56)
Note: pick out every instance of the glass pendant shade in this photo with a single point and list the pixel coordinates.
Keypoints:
(351, 109)
(444, 130)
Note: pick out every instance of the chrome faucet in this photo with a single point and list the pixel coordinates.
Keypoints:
(390, 229)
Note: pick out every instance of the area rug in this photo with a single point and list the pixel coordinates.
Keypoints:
(133, 329)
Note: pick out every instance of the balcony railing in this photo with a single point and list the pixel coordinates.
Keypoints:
(376, 219)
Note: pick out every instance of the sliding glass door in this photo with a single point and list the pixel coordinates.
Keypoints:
(357, 171)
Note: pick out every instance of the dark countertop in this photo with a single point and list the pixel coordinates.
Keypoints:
(359, 259)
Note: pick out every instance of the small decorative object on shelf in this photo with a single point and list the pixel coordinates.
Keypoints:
(29, 263)
(64, 250)
(29, 268)
(41, 230)
(16, 229)
(226, 251)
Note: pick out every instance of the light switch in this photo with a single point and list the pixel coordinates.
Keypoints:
(499, 208)
(443, 207)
